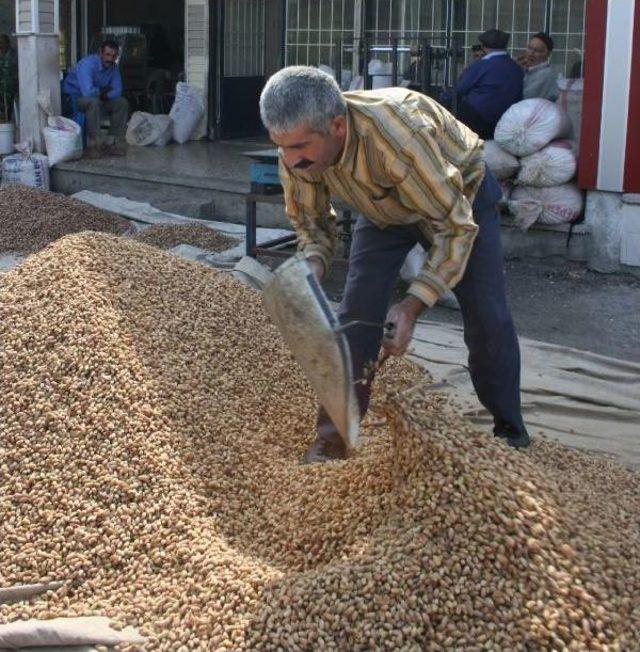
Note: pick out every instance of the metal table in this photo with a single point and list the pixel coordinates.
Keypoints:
(266, 189)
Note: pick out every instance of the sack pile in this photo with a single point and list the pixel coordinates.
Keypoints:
(534, 161)
(25, 168)
(180, 125)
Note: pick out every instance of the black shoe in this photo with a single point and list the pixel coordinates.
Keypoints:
(515, 438)
(322, 450)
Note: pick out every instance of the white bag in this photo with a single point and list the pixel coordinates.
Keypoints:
(142, 129)
(166, 130)
(148, 129)
(62, 139)
(528, 126)
(25, 168)
(570, 99)
(186, 112)
(506, 185)
(501, 163)
(555, 205)
(553, 165)
(413, 263)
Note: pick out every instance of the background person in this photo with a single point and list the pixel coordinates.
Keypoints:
(540, 79)
(488, 87)
(97, 84)
(477, 52)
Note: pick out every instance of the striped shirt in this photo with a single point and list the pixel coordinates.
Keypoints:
(406, 160)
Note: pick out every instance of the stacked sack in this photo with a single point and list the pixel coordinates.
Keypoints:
(180, 125)
(535, 163)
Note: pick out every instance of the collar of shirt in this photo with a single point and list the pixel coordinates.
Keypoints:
(540, 66)
(502, 53)
(349, 149)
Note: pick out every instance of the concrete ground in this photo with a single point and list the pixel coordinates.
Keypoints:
(199, 179)
(557, 301)
(561, 302)
(552, 299)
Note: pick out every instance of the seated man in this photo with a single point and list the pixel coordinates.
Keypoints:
(96, 83)
(540, 79)
(488, 87)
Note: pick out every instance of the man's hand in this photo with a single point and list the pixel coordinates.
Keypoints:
(403, 315)
(317, 266)
(104, 93)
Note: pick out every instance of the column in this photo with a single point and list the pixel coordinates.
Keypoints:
(37, 35)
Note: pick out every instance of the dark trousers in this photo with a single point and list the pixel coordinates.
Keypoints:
(117, 110)
(475, 121)
(494, 354)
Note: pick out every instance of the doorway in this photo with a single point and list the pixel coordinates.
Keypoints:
(150, 34)
(241, 61)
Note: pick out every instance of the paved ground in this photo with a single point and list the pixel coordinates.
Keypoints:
(556, 301)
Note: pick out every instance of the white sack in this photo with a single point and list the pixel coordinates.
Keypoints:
(555, 205)
(413, 263)
(166, 130)
(62, 139)
(553, 165)
(528, 126)
(501, 163)
(142, 129)
(25, 168)
(186, 112)
(506, 185)
(148, 129)
(83, 630)
(570, 99)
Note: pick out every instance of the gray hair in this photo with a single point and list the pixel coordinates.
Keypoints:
(300, 96)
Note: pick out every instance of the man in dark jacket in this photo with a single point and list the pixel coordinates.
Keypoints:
(488, 87)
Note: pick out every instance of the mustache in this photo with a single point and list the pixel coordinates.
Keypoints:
(304, 163)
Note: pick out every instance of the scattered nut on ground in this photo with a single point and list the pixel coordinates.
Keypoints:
(30, 219)
(166, 236)
(152, 422)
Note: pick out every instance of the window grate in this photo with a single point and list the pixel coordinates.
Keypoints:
(244, 27)
(314, 27)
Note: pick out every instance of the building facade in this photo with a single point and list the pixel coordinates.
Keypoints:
(228, 48)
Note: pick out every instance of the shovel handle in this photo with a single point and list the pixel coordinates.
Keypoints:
(389, 327)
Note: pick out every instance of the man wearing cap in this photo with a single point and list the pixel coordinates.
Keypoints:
(488, 87)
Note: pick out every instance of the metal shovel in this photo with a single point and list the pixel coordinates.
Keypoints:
(295, 301)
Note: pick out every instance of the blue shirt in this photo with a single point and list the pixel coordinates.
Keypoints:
(491, 85)
(89, 77)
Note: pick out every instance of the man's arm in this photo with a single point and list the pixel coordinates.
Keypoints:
(116, 85)
(434, 189)
(308, 207)
(468, 79)
(84, 72)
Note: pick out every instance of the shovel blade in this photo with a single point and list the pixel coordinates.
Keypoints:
(296, 303)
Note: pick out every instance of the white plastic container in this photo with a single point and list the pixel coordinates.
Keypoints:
(7, 138)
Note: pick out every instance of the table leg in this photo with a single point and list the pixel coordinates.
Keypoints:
(251, 237)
